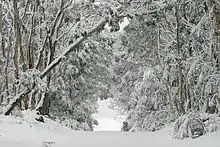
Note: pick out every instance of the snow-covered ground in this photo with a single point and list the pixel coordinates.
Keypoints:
(26, 132)
(15, 132)
(108, 119)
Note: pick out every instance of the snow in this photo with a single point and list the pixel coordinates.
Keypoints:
(15, 132)
(108, 119)
(123, 24)
(26, 132)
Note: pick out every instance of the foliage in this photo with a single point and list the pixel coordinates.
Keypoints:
(34, 35)
(164, 64)
(173, 47)
(188, 125)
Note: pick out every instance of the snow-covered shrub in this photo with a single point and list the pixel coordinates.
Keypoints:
(134, 122)
(83, 127)
(157, 120)
(75, 125)
(74, 114)
(70, 123)
(150, 121)
(212, 125)
(188, 125)
(211, 121)
(17, 112)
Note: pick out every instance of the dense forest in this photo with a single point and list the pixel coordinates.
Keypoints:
(58, 57)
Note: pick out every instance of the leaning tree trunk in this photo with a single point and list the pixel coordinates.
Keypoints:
(17, 99)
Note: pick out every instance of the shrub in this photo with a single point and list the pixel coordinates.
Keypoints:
(212, 122)
(157, 120)
(188, 125)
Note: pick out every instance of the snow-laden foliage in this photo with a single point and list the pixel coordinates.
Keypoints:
(86, 77)
(32, 37)
(212, 124)
(188, 125)
(195, 124)
(211, 121)
(176, 42)
(17, 113)
(157, 120)
(164, 64)
(31, 79)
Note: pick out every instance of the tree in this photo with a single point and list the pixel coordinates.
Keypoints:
(170, 39)
(48, 33)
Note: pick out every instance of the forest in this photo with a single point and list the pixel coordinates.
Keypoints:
(59, 57)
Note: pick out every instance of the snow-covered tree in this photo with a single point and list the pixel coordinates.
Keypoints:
(176, 43)
(50, 64)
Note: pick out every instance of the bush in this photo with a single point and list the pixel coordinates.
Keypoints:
(212, 122)
(150, 121)
(189, 125)
(157, 120)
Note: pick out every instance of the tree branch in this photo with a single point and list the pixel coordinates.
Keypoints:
(71, 47)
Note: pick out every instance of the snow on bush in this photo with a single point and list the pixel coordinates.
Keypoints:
(188, 125)
(134, 122)
(17, 112)
(150, 121)
(75, 125)
(212, 122)
(157, 120)
(70, 123)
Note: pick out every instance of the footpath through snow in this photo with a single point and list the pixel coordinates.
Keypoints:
(109, 120)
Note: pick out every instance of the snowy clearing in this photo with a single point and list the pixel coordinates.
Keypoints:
(17, 132)
(109, 120)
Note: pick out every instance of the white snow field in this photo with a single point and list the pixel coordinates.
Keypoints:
(26, 132)
(15, 132)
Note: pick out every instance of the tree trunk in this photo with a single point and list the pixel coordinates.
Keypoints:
(1, 32)
(180, 75)
(6, 73)
(30, 49)
(16, 47)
